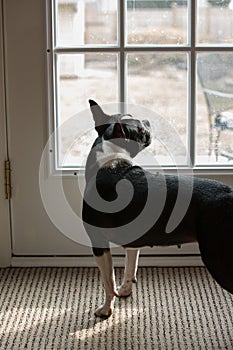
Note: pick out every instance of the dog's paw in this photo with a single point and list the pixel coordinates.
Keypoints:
(103, 312)
(125, 289)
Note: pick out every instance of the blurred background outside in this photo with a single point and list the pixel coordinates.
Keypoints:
(156, 80)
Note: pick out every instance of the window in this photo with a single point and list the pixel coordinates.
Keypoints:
(173, 58)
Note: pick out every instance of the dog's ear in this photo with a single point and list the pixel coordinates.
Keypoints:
(118, 131)
(101, 119)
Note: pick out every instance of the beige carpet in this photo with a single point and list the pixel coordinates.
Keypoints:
(171, 308)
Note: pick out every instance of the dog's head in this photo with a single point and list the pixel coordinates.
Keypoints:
(121, 129)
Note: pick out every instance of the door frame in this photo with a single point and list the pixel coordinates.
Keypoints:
(5, 234)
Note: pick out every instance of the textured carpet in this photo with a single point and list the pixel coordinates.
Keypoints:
(171, 308)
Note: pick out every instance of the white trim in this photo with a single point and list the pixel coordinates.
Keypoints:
(89, 261)
(5, 246)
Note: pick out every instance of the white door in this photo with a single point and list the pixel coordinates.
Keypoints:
(33, 234)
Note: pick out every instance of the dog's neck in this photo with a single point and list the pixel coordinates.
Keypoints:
(111, 152)
(105, 154)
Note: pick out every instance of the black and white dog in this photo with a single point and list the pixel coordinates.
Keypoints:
(208, 218)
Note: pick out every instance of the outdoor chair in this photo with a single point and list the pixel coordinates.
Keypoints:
(215, 73)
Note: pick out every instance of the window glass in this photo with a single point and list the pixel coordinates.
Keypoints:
(214, 22)
(153, 67)
(159, 82)
(81, 22)
(214, 107)
(157, 22)
(79, 78)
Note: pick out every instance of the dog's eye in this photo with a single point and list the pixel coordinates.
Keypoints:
(142, 130)
(146, 123)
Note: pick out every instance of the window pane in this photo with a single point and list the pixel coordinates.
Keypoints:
(214, 108)
(157, 22)
(82, 77)
(159, 82)
(214, 21)
(81, 22)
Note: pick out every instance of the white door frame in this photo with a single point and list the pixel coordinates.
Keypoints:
(5, 236)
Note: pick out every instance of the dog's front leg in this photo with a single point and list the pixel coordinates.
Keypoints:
(131, 263)
(104, 262)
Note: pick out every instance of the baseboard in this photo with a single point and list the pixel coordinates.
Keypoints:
(88, 261)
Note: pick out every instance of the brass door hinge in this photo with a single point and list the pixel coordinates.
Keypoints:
(8, 187)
